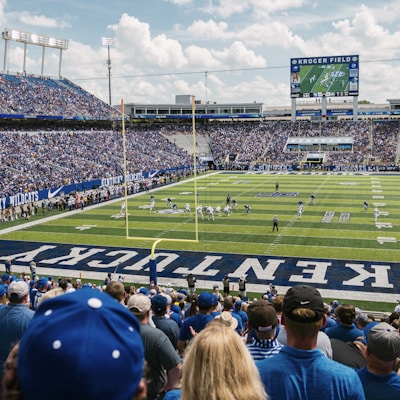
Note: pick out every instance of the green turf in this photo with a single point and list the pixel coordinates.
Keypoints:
(355, 239)
(358, 238)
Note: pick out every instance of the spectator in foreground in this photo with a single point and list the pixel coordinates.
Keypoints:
(383, 348)
(218, 366)
(83, 345)
(116, 290)
(196, 322)
(351, 354)
(167, 325)
(345, 328)
(263, 323)
(300, 370)
(164, 364)
(14, 318)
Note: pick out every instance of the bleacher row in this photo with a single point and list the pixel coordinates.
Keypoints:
(32, 96)
(35, 160)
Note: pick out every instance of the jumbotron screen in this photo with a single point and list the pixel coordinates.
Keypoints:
(324, 76)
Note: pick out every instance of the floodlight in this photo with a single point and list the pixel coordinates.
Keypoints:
(107, 41)
(35, 39)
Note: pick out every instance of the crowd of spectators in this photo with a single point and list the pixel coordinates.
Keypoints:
(35, 95)
(49, 156)
(265, 142)
(275, 345)
(34, 160)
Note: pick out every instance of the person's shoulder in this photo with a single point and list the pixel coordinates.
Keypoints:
(331, 329)
(173, 395)
(268, 366)
(338, 370)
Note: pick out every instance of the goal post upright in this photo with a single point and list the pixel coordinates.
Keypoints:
(153, 239)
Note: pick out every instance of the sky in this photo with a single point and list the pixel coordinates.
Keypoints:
(222, 51)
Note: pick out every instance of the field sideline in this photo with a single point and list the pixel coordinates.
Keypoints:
(337, 227)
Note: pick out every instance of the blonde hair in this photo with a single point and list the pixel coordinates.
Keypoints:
(304, 329)
(4, 299)
(50, 294)
(218, 366)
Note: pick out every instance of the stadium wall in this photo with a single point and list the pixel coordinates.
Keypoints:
(20, 199)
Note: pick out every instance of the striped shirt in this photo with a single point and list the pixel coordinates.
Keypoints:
(264, 348)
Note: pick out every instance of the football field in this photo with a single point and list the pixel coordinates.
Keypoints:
(336, 227)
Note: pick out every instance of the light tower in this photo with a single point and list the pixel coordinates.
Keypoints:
(33, 39)
(108, 42)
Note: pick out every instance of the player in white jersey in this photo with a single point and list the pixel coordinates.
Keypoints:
(152, 206)
(227, 211)
(376, 214)
(200, 212)
(210, 213)
(247, 208)
(187, 209)
(123, 207)
(300, 210)
(218, 210)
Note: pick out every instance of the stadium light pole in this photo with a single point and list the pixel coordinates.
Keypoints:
(108, 42)
(33, 39)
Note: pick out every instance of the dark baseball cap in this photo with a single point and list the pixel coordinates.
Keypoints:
(262, 316)
(303, 296)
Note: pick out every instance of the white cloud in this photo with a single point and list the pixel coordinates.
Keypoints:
(41, 21)
(273, 33)
(179, 2)
(209, 30)
(201, 58)
(238, 56)
(258, 8)
(226, 8)
(3, 18)
(134, 37)
(364, 34)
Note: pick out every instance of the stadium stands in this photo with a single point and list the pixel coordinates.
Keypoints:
(35, 96)
(40, 156)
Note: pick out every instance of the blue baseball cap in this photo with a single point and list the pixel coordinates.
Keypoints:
(42, 282)
(159, 303)
(205, 300)
(143, 290)
(90, 347)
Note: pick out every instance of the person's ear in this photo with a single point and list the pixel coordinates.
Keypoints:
(141, 392)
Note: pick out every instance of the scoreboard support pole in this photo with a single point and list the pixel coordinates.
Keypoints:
(293, 109)
(324, 108)
(355, 108)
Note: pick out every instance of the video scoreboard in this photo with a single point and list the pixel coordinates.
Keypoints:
(324, 76)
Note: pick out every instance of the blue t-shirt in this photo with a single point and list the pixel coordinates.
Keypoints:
(382, 387)
(197, 322)
(14, 319)
(173, 395)
(308, 374)
(344, 332)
